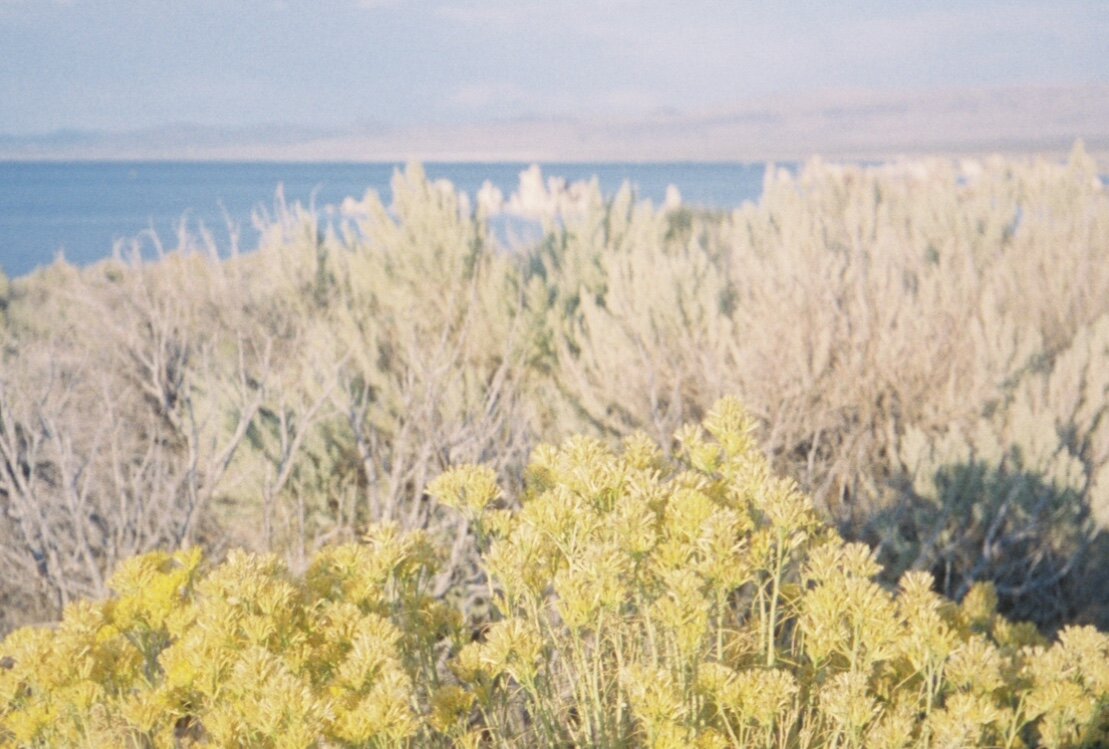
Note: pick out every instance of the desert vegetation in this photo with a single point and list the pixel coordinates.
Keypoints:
(923, 347)
(639, 600)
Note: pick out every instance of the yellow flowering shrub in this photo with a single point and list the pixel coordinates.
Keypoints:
(639, 601)
(244, 655)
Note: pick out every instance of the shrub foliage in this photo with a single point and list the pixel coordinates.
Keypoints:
(924, 345)
(638, 600)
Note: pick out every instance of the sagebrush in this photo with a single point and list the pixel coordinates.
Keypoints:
(925, 346)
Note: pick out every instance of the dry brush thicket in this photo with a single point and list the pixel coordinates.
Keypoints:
(925, 347)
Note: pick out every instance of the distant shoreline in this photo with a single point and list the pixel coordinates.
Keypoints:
(1098, 151)
(839, 126)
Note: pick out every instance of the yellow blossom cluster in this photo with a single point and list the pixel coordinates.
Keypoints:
(640, 601)
(245, 655)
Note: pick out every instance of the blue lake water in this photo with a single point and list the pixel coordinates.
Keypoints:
(82, 208)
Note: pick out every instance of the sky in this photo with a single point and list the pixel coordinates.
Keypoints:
(123, 65)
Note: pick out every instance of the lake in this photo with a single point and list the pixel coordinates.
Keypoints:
(82, 208)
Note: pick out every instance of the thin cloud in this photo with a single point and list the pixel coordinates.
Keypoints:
(377, 4)
(506, 99)
(480, 95)
(435, 61)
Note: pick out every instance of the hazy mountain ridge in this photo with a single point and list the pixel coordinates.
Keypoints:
(844, 124)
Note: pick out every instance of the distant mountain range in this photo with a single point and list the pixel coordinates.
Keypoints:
(840, 124)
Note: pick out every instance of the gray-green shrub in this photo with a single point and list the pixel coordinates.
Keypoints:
(924, 344)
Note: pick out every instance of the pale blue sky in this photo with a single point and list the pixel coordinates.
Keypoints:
(127, 64)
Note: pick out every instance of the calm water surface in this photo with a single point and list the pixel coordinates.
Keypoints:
(82, 208)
